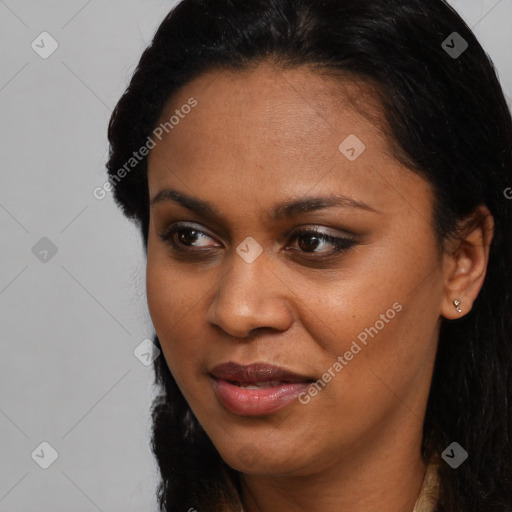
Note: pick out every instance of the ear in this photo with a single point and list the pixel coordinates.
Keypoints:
(465, 262)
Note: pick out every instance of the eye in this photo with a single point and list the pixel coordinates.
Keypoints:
(309, 240)
(181, 237)
(184, 238)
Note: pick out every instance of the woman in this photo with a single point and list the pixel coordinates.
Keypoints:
(320, 190)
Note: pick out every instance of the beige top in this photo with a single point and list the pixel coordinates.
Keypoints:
(429, 491)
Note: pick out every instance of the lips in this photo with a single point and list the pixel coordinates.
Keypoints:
(261, 375)
(256, 389)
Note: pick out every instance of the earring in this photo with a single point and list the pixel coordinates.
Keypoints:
(456, 303)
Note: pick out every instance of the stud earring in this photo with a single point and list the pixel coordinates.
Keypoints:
(456, 303)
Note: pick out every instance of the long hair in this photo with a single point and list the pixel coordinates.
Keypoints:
(447, 120)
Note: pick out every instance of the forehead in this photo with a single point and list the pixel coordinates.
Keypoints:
(306, 99)
(285, 127)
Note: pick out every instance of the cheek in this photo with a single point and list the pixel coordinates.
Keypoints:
(158, 294)
(168, 293)
(384, 371)
(163, 291)
(382, 320)
(174, 305)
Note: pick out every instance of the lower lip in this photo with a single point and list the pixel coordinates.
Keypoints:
(257, 402)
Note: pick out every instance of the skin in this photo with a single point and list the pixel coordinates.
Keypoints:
(262, 137)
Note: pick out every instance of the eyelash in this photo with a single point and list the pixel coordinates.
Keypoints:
(341, 244)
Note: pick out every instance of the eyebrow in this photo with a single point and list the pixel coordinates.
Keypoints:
(284, 210)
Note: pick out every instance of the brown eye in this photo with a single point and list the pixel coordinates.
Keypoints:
(310, 240)
(187, 236)
(183, 237)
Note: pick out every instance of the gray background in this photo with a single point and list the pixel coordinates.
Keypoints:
(70, 324)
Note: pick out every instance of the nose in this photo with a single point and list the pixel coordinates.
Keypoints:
(250, 296)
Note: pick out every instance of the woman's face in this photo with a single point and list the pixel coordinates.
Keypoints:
(244, 287)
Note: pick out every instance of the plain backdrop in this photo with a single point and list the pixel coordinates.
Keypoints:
(72, 299)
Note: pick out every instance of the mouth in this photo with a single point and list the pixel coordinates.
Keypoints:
(256, 389)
